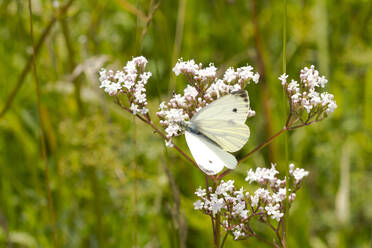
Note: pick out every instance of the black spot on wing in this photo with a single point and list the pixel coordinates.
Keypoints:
(210, 161)
(235, 110)
(241, 93)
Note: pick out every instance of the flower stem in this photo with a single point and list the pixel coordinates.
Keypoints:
(157, 130)
(218, 230)
(265, 241)
(211, 215)
(285, 217)
(257, 148)
(216, 222)
(135, 191)
(43, 142)
(224, 239)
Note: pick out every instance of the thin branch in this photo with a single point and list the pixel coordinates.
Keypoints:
(289, 116)
(270, 225)
(259, 147)
(282, 239)
(302, 125)
(132, 9)
(264, 240)
(160, 133)
(135, 191)
(43, 142)
(216, 222)
(149, 18)
(276, 230)
(36, 51)
(72, 63)
(285, 109)
(212, 221)
(218, 229)
(224, 239)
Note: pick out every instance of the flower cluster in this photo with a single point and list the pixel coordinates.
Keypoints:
(130, 81)
(237, 206)
(204, 87)
(304, 96)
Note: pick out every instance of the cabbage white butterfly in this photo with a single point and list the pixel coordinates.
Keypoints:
(216, 130)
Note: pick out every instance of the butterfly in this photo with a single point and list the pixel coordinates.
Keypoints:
(216, 130)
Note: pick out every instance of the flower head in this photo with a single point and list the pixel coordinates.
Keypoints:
(129, 81)
(305, 95)
(237, 206)
(204, 87)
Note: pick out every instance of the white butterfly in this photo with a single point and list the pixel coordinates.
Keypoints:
(217, 129)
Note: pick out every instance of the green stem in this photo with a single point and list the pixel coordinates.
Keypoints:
(218, 230)
(43, 141)
(224, 239)
(212, 221)
(135, 212)
(72, 64)
(217, 226)
(284, 224)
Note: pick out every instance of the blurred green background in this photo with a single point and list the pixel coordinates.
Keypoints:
(113, 182)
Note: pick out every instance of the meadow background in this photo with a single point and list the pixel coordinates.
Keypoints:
(113, 182)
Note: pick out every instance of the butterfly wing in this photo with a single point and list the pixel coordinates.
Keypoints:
(210, 158)
(234, 106)
(231, 136)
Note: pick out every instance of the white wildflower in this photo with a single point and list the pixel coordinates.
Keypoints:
(299, 174)
(283, 79)
(280, 195)
(190, 92)
(230, 75)
(208, 73)
(216, 204)
(198, 205)
(187, 67)
(169, 143)
(238, 232)
(134, 108)
(274, 211)
(201, 192)
(256, 77)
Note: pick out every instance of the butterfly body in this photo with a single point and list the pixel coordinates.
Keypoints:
(216, 130)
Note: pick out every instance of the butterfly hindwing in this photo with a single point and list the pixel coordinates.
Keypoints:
(230, 107)
(229, 135)
(209, 157)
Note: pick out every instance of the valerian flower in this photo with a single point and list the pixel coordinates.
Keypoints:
(131, 81)
(307, 102)
(237, 206)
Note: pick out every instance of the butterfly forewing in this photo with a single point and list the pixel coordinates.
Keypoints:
(217, 128)
(230, 107)
(229, 135)
(209, 157)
